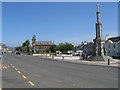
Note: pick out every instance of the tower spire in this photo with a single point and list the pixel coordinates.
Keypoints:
(99, 42)
(33, 40)
(98, 13)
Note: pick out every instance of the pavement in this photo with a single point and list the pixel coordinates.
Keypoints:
(19, 71)
(76, 59)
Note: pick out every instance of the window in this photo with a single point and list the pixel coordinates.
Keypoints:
(114, 52)
(114, 45)
(109, 46)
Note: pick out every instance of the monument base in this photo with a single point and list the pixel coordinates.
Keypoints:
(98, 58)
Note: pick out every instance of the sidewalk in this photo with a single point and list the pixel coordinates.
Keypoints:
(76, 59)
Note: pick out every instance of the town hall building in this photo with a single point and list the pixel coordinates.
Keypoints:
(41, 46)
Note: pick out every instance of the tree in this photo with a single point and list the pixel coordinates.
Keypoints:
(25, 47)
(18, 48)
(26, 43)
(64, 47)
(53, 48)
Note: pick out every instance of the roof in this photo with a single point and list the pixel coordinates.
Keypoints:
(44, 43)
(114, 39)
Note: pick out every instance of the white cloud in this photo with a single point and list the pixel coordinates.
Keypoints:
(76, 40)
(112, 34)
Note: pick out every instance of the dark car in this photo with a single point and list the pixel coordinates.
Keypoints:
(18, 52)
(116, 56)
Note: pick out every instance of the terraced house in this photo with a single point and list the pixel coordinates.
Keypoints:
(113, 46)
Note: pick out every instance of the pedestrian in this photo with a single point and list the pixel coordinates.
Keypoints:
(83, 56)
(80, 56)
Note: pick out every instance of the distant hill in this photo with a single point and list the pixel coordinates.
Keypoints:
(11, 48)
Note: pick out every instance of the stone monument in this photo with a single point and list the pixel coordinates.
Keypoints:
(99, 42)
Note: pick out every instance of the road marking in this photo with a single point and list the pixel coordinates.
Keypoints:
(18, 71)
(24, 76)
(31, 83)
(5, 67)
(0, 88)
(13, 66)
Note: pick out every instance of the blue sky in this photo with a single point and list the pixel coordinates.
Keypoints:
(0, 22)
(58, 22)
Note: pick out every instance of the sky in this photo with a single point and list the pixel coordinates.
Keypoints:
(72, 22)
(0, 22)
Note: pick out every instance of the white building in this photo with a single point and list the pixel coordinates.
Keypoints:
(107, 37)
(113, 46)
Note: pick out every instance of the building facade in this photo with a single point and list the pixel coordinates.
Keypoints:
(113, 46)
(87, 47)
(40, 46)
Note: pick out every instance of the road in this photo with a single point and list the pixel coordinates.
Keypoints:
(20, 71)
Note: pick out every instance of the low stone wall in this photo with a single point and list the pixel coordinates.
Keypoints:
(41, 54)
(63, 56)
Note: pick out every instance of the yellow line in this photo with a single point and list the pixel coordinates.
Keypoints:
(0, 88)
(18, 71)
(10, 64)
(5, 67)
(24, 76)
(13, 66)
(31, 83)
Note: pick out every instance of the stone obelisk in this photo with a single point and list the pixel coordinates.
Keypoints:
(98, 41)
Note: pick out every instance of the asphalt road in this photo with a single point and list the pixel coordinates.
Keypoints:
(20, 71)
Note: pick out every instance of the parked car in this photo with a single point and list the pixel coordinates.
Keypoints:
(77, 53)
(116, 56)
(18, 52)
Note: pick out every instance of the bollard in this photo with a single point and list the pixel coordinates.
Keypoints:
(62, 57)
(108, 61)
(52, 56)
(79, 57)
